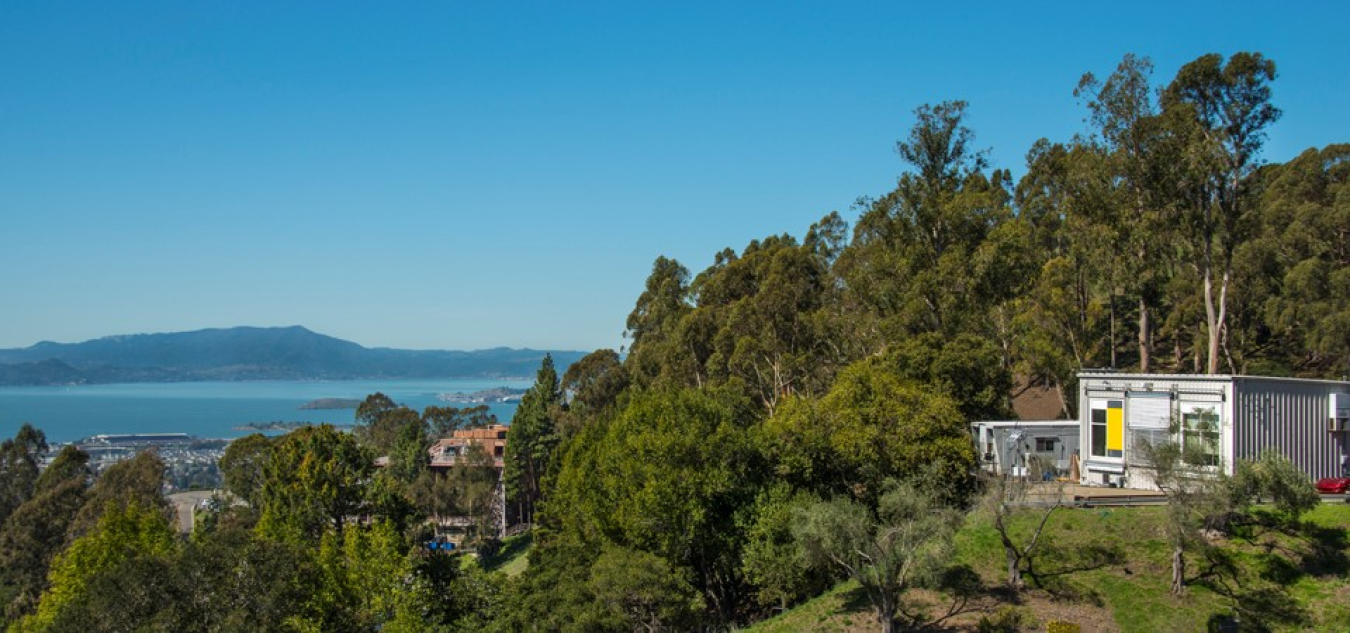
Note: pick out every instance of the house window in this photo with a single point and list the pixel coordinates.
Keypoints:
(1045, 444)
(1145, 439)
(1107, 428)
(1200, 431)
(1150, 424)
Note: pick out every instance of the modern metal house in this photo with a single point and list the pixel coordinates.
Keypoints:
(1225, 417)
(1006, 447)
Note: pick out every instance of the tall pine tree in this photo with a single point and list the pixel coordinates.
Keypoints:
(532, 440)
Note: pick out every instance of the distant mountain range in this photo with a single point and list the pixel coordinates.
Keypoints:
(251, 353)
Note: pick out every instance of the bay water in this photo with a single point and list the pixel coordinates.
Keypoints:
(213, 409)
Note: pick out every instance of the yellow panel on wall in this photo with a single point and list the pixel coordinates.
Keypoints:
(1115, 428)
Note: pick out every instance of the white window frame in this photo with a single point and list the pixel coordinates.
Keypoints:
(1143, 429)
(1185, 435)
(1104, 404)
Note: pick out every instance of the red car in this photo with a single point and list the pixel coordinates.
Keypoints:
(1334, 485)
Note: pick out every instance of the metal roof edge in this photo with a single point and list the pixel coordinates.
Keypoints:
(1027, 422)
(1104, 374)
(1314, 381)
(1107, 375)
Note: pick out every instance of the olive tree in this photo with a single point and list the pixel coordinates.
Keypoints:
(905, 542)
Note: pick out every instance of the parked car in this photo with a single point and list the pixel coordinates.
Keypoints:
(1334, 485)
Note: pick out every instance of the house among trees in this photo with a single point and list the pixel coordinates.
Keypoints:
(1218, 419)
(473, 457)
(449, 451)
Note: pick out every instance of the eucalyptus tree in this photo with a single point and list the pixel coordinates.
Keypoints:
(1221, 110)
(19, 459)
(138, 481)
(381, 423)
(756, 320)
(1141, 155)
(909, 266)
(442, 422)
(1299, 256)
(592, 385)
(1064, 319)
(1055, 319)
(653, 323)
(36, 531)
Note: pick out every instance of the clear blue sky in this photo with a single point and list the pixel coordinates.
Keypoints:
(474, 174)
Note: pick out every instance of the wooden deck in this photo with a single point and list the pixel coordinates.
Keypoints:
(1078, 494)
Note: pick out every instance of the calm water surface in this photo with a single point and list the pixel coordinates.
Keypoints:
(210, 409)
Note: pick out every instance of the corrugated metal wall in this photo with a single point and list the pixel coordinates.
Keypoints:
(1289, 416)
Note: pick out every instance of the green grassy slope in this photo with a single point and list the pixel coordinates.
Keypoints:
(513, 556)
(1110, 569)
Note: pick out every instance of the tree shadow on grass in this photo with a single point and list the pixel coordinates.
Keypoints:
(1057, 581)
(1327, 551)
(1316, 550)
(1259, 609)
(1255, 606)
(855, 599)
(1305, 550)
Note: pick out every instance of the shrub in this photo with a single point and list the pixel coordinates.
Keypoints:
(1060, 626)
(1007, 619)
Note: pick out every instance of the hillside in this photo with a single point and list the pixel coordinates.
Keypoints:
(251, 353)
(1108, 570)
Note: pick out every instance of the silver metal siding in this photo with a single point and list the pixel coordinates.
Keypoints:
(1067, 437)
(1290, 417)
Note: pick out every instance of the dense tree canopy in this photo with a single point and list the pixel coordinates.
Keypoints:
(313, 481)
(1155, 241)
(872, 427)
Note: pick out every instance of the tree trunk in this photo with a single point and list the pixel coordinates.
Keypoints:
(1195, 354)
(887, 618)
(1178, 571)
(1145, 346)
(1113, 329)
(1216, 335)
(1009, 550)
